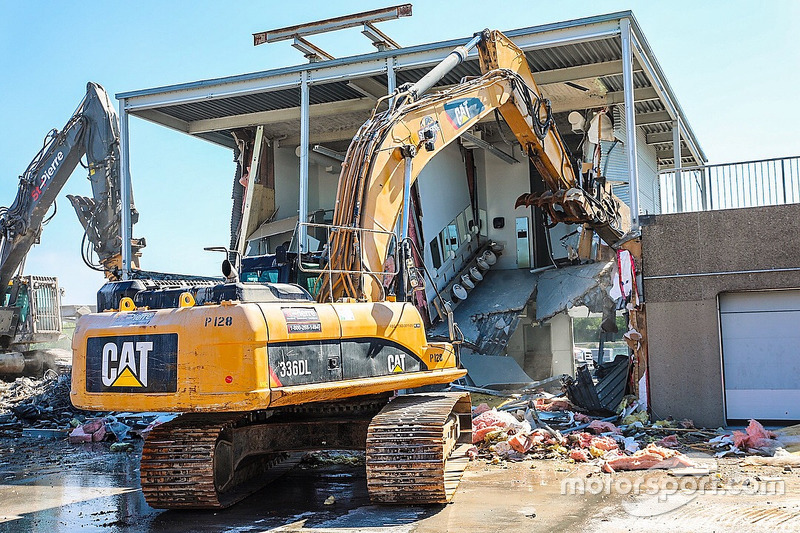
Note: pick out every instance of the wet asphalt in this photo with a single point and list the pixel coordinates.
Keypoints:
(52, 486)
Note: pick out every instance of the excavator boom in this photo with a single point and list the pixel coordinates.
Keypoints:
(391, 149)
(93, 131)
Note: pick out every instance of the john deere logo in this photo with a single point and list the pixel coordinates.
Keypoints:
(132, 363)
(120, 368)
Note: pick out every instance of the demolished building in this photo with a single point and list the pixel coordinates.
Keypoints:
(511, 280)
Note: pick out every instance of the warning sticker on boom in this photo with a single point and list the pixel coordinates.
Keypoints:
(302, 320)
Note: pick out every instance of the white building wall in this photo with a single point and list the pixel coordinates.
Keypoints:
(443, 190)
(287, 181)
(443, 194)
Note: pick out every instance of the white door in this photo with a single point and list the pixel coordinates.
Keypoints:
(761, 354)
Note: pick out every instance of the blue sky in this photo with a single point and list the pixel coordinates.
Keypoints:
(734, 67)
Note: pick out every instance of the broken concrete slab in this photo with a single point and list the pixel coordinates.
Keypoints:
(494, 372)
(560, 289)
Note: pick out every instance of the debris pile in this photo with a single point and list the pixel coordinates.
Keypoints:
(653, 456)
(37, 403)
(42, 408)
(754, 440)
(106, 428)
(548, 427)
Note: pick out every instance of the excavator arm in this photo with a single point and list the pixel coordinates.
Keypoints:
(391, 149)
(93, 131)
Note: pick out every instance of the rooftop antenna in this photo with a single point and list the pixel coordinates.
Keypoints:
(366, 19)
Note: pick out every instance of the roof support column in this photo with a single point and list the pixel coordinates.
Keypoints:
(630, 120)
(391, 77)
(676, 150)
(125, 189)
(304, 135)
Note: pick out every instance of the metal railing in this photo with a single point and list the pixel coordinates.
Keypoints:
(730, 185)
(358, 235)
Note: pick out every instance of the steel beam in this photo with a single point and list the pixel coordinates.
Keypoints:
(670, 154)
(657, 138)
(593, 70)
(656, 117)
(162, 119)
(588, 102)
(630, 121)
(304, 127)
(332, 24)
(368, 87)
(125, 190)
(280, 115)
(391, 77)
(344, 134)
(380, 40)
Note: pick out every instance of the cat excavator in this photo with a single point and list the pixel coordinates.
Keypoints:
(263, 372)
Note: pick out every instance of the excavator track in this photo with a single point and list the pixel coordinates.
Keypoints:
(416, 448)
(185, 465)
(212, 461)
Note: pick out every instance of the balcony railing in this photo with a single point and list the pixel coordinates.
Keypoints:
(730, 185)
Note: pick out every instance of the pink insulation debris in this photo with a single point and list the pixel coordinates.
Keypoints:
(523, 442)
(668, 442)
(579, 455)
(78, 435)
(606, 444)
(494, 418)
(482, 408)
(582, 418)
(553, 404)
(755, 436)
(651, 457)
(598, 426)
(587, 440)
(479, 434)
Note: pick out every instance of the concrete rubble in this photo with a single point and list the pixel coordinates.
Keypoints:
(42, 408)
(36, 404)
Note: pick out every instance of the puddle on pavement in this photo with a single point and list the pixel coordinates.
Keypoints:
(94, 493)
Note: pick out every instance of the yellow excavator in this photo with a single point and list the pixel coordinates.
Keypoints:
(262, 372)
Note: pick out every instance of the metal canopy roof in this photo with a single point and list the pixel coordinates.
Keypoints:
(585, 52)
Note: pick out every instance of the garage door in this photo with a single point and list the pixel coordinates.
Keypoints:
(761, 354)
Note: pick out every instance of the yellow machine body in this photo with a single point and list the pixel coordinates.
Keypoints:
(250, 356)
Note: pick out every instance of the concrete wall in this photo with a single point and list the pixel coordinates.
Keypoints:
(682, 315)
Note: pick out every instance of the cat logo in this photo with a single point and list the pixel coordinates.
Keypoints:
(126, 367)
(397, 363)
(132, 363)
